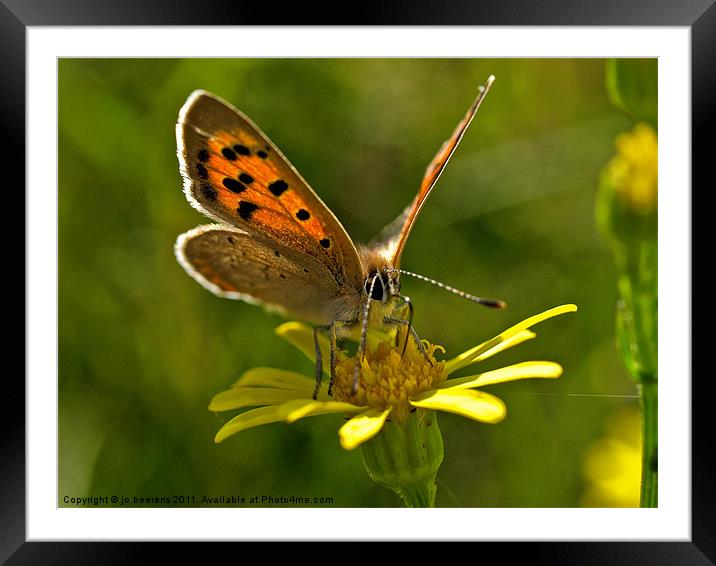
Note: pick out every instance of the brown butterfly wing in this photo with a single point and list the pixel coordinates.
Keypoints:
(238, 265)
(391, 241)
(234, 174)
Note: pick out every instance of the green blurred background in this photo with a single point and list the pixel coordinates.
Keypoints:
(143, 348)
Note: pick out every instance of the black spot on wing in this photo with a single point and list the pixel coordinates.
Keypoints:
(241, 149)
(233, 185)
(278, 187)
(303, 214)
(208, 192)
(203, 155)
(246, 178)
(262, 154)
(246, 209)
(325, 242)
(228, 153)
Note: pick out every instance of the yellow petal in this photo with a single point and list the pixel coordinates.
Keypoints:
(290, 411)
(300, 408)
(522, 370)
(249, 419)
(240, 397)
(476, 405)
(278, 378)
(301, 335)
(467, 357)
(362, 427)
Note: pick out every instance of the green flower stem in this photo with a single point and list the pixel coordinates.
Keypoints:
(639, 289)
(418, 495)
(649, 429)
(637, 331)
(406, 457)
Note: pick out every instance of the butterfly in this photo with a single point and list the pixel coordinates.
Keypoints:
(276, 243)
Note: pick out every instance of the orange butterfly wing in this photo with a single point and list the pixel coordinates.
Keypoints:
(234, 173)
(394, 244)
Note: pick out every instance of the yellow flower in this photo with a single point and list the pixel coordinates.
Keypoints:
(612, 464)
(390, 384)
(633, 171)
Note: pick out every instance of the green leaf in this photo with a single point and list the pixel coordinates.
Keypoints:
(632, 85)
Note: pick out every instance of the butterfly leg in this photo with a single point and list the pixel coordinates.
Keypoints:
(334, 348)
(389, 321)
(319, 359)
(360, 354)
(409, 303)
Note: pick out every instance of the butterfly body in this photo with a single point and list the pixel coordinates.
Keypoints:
(276, 243)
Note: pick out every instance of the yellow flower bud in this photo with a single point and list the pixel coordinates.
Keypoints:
(628, 193)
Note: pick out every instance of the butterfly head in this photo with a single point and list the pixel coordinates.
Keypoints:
(381, 281)
(381, 285)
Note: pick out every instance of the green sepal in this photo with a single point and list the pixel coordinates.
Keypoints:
(617, 220)
(405, 457)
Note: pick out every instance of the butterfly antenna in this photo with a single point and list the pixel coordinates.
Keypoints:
(363, 335)
(493, 303)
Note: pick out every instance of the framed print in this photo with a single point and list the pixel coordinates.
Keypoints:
(252, 337)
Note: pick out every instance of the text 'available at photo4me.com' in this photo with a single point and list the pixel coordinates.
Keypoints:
(257, 500)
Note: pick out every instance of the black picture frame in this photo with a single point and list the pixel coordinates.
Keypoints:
(698, 15)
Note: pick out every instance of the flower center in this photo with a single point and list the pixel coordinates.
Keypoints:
(389, 379)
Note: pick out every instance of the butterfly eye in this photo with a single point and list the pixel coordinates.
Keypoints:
(378, 288)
